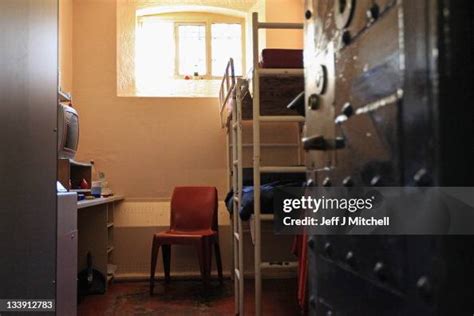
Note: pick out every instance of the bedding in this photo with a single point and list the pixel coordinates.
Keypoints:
(276, 91)
(281, 58)
(266, 198)
(270, 182)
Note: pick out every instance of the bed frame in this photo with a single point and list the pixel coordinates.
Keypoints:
(232, 99)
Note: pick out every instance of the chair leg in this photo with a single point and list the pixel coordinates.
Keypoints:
(204, 253)
(217, 249)
(154, 255)
(201, 257)
(207, 243)
(166, 249)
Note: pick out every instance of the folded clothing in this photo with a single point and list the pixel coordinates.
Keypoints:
(266, 198)
(281, 58)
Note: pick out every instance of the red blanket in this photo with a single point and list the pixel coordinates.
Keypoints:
(301, 251)
(281, 58)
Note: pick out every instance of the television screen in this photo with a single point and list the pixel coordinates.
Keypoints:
(72, 131)
(68, 131)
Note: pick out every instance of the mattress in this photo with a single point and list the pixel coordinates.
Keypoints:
(281, 58)
(276, 91)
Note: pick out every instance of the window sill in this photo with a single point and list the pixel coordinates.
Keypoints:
(176, 89)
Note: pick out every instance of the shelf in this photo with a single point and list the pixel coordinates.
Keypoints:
(99, 201)
(280, 72)
(270, 145)
(266, 217)
(281, 118)
(79, 163)
(283, 169)
(71, 174)
(277, 119)
(80, 190)
(279, 25)
(279, 265)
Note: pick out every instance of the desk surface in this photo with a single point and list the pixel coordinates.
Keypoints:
(99, 201)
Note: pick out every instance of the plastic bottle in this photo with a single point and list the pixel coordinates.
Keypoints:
(96, 185)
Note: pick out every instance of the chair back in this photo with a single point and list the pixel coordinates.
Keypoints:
(194, 208)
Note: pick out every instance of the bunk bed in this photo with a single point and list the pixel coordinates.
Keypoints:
(278, 86)
(275, 80)
(268, 184)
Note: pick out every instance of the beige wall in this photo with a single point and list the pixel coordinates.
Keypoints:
(284, 11)
(276, 11)
(145, 146)
(65, 44)
(126, 23)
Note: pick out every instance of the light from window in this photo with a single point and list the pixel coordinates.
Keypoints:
(226, 43)
(192, 49)
(154, 54)
(167, 51)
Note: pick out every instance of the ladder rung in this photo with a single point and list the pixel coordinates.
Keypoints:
(288, 118)
(235, 125)
(270, 145)
(279, 265)
(276, 25)
(280, 72)
(237, 273)
(236, 236)
(236, 162)
(267, 217)
(236, 199)
(283, 169)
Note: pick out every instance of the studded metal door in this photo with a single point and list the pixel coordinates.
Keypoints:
(388, 104)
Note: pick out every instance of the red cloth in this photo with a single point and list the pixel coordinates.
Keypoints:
(301, 251)
(281, 58)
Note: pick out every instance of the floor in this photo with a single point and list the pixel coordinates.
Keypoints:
(187, 297)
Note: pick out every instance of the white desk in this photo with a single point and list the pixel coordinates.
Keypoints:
(99, 201)
(95, 221)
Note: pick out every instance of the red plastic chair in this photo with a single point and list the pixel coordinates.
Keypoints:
(193, 222)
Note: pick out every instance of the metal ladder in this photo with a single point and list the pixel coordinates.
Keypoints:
(237, 231)
(257, 168)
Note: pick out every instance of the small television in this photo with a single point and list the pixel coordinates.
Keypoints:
(68, 131)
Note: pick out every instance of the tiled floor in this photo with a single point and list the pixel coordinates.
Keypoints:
(189, 298)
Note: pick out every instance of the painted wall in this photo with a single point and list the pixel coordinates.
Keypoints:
(275, 11)
(284, 11)
(145, 146)
(65, 44)
(126, 37)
